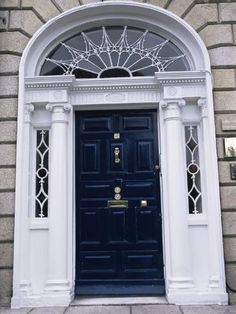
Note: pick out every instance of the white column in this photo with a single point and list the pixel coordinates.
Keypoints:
(177, 207)
(58, 201)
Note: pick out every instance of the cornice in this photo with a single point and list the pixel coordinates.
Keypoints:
(115, 84)
(181, 78)
(47, 85)
(49, 82)
(181, 81)
(115, 88)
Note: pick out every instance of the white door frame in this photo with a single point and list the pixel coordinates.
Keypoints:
(193, 249)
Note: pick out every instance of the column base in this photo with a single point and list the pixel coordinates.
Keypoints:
(57, 285)
(25, 288)
(196, 298)
(181, 283)
(51, 299)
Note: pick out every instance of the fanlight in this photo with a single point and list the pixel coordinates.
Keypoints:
(114, 51)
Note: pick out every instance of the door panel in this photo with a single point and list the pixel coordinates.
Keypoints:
(144, 156)
(118, 245)
(91, 157)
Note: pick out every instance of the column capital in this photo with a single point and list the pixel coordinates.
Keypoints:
(202, 104)
(172, 108)
(60, 107)
(166, 103)
(59, 112)
(28, 109)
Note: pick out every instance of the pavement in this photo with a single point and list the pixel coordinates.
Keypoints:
(124, 306)
(125, 309)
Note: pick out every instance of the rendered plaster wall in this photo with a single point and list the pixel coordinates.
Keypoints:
(214, 20)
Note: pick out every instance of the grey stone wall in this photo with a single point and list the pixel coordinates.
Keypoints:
(214, 20)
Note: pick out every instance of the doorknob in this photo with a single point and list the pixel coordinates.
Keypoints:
(143, 203)
(117, 155)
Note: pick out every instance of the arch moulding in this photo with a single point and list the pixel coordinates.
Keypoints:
(44, 250)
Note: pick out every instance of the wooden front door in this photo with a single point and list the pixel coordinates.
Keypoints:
(118, 215)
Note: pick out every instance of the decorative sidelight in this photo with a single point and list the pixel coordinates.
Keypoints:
(193, 169)
(42, 171)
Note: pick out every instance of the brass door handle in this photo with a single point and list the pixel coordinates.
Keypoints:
(117, 155)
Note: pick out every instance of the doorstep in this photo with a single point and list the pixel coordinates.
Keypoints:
(118, 301)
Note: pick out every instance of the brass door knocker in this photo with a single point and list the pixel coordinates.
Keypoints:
(117, 155)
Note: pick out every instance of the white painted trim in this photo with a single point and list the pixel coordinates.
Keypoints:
(202, 280)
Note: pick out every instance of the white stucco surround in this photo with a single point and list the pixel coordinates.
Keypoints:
(44, 250)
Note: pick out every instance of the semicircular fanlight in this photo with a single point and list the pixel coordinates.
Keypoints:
(114, 52)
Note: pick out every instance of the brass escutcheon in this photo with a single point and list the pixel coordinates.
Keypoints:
(117, 189)
(117, 196)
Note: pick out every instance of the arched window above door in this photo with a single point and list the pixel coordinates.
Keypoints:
(115, 51)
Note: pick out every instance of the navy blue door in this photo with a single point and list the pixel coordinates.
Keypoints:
(118, 215)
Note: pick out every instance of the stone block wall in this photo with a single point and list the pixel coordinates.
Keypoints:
(214, 20)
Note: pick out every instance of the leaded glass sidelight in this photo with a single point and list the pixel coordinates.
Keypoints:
(119, 51)
(193, 170)
(42, 171)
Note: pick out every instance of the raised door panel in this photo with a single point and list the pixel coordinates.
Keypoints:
(90, 153)
(96, 124)
(145, 156)
(137, 123)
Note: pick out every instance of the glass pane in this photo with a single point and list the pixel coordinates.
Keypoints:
(193, 170)
(128, 51)
(41, 188)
